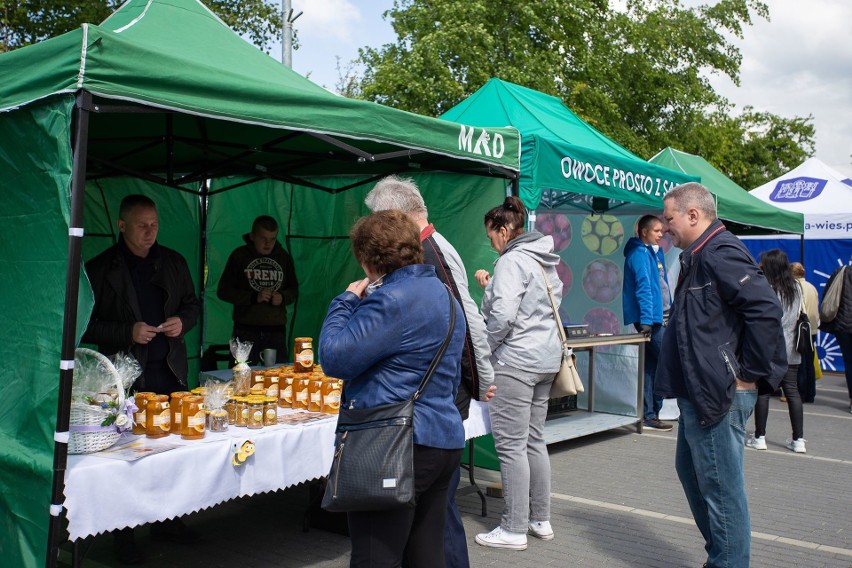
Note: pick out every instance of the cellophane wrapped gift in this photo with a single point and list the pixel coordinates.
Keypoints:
(215, 399)
(242, 372)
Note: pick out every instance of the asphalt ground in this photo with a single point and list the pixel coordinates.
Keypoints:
(616, 502)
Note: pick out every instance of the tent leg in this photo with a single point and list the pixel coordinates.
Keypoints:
(69, 328)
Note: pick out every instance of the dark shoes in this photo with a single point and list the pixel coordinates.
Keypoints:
(124, 547)
(657, 424)
(174, 530)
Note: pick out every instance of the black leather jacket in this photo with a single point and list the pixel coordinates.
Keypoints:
(725, 324)
(117, 309)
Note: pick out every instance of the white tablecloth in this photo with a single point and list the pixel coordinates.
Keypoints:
(103, 494)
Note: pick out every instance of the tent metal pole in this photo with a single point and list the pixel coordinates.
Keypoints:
(69, 328)
(514, 188)
(802, 246)
(203, 203)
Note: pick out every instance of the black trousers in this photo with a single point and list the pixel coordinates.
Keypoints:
(382, 539)
(790, 387)
(264, 337)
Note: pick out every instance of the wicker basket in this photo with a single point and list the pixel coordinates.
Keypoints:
(87, 434)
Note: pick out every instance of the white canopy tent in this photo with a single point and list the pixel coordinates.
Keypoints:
(825, 198)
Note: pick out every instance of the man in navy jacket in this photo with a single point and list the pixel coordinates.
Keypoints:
(723, 336)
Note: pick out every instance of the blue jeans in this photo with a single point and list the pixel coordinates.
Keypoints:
(652, 404)
(455, 541)
(709, 463)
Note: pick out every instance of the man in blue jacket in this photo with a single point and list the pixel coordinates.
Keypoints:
(724, 335)
(646, 302)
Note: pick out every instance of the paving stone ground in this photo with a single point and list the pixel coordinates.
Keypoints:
(616, 503)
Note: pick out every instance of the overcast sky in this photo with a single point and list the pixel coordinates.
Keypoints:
(798, 64)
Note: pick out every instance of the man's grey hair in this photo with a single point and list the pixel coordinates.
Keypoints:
(394, 192)
(692, 194)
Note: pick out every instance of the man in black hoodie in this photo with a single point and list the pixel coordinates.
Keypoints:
(259, 279)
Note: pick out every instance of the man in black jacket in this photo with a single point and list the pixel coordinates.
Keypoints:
(724, 335)
(145, 300)
(145, 303)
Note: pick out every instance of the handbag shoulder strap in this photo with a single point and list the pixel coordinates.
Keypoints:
(561, 329)
(437, 359)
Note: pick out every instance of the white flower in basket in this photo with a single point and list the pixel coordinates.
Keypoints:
(100, 408)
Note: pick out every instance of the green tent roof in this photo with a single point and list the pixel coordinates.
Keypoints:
(562, 153)
(734, 203)
(170, 69)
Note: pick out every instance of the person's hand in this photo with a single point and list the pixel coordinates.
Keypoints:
(172, 327)
(264, 296)
(358, 287)
(276, 299)
(143, 333)
(482, 277)
(643, 328)
(489, 394)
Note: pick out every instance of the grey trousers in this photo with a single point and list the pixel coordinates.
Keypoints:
(517, 412)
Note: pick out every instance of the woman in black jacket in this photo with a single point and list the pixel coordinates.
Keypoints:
(841, 325)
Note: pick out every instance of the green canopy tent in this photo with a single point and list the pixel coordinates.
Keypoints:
(162, 92)
(744, 212)
(565, 161)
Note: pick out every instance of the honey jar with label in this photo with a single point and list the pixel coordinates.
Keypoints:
(242, 411)
(257, 377)
(271, 382)
(314, 394)
(139, 415)
(255, 412)
(270, 411)
(193, 418)
(332, 389)
(175, 405)
(158, 416)
(285, 391)
(300, 393)
(303, 355)
(231, 409)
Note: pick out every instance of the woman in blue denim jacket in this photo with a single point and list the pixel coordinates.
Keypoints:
(379, 337)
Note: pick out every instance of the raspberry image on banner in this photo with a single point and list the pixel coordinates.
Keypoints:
(602, 281)
(602, 320)
(602, 234)
(557, 226)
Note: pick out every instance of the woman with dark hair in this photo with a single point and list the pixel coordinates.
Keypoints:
(379, 337)
(776, 268)
(526, 354)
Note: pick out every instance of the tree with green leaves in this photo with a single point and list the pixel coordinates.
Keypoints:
(638, 71)
(29, 22)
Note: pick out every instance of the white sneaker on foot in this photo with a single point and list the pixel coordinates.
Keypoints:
(756, 442)
(797, 445)
(500, 538)
(541, 529)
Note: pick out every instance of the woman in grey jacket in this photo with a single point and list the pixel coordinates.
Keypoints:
(526, 354)
(776, 267)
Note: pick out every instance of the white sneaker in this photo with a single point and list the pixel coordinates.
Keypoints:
(756, 442)
(797, 445)
(541, 529)
(499, 538)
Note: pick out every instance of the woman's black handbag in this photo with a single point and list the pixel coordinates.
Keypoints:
(803, 329)
(373, 466)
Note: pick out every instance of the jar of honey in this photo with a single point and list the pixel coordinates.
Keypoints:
(300, 393)
(231, 409)
(255, 412)
(285, 392)
(270, 411)
(257, 377)
(193, 418)
(303, 355)
(331, 392)
(242, 411)
(314, 394)
(175, 405)
(271, 382)
(139, 415)
(158, 416)
(219, 420)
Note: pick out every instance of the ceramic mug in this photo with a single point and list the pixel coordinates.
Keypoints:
(268, 356)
